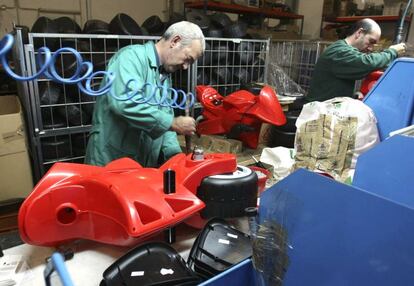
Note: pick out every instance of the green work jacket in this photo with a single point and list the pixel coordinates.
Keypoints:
(339, 66)
(128, 129)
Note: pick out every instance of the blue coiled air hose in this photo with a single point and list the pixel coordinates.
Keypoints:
(170, 97)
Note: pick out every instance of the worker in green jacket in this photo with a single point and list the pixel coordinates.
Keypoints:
(144, 132)
(348, 60)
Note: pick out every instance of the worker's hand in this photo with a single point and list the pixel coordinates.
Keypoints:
(184, 125)
(400, 48)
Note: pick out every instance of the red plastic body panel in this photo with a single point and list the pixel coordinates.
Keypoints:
(369, 81)
(221, 114)
(120, 204)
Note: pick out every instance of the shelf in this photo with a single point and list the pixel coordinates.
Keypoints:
(239, 9)
(351, 19)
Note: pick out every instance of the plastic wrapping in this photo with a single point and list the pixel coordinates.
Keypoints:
(270, 258)
(282, 82)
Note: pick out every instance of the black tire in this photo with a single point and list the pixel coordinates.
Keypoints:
(58, 122)
(153, 24)
(122, 24)
(49, 93)
(45, 25)
(214, 33)
(175, 18)
(222, 75)
(54, 148)
(235, 30)
(245, 53)
(66, 64)
(205, 60)
(257, 70)
(241, 76)
(198, 18)
(291, 117)
(281, 138)
(202, 78)
(252, 87)
(79, 142)
(220, 20)
(225, 90)
(220, 54)
(74, 113)
(95, 26)
(228, 195)
(67, 25)
(75, 95)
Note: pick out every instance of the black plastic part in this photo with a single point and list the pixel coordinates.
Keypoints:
(228, 196)
(55, 148)
(252, 87)
(218, 247)
(49, 93)
(95, 26)
(51, 118)
(122, 24)
(153, 25)
(220, 20)
(235, 30)
(291, 117)
(170, 235)
(222, 75)
(250, 211)
(278, 137)
(74, 113)
(45, 25)
(67, 25)
(202, 78)
(245, 53)
(214, 33)
(169, 181)
(146, 262)
(198, 18)
(75, 95)
(219, 54)
(241, 75)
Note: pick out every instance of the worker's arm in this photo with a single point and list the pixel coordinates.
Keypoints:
(352, 64)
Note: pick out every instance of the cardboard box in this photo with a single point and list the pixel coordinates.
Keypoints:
(15, 169)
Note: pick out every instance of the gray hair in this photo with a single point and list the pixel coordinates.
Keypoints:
(187, 31)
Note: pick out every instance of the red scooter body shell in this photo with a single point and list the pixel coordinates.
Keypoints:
(369, 81)
(221, 114)
(119, 204)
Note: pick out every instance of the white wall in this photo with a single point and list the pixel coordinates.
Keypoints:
(81, 10)
(312, 10)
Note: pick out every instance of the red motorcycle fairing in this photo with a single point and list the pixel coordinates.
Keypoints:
(241, 108)
(120, 204)
(369, 81)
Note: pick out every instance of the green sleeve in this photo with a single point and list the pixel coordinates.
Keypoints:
(352, 64)
(153, 120)
(170, 145)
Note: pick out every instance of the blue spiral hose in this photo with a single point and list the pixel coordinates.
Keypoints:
(84, 75)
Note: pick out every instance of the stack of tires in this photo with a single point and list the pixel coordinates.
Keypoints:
(284, 135)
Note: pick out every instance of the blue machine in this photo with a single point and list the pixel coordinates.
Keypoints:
(392, 97)
(341, 234)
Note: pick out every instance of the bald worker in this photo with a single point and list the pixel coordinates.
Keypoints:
(348, 60)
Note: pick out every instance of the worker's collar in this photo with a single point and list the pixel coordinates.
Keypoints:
(158, 62)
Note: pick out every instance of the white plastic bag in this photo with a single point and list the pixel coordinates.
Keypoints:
(332, 134)
(281, 158)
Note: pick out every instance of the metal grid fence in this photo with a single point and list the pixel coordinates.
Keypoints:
(297, 58)
(61, 114)
(229, 64)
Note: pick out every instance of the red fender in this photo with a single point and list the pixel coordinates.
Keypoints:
(369, 81)
(118, 204)
(221, 114)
